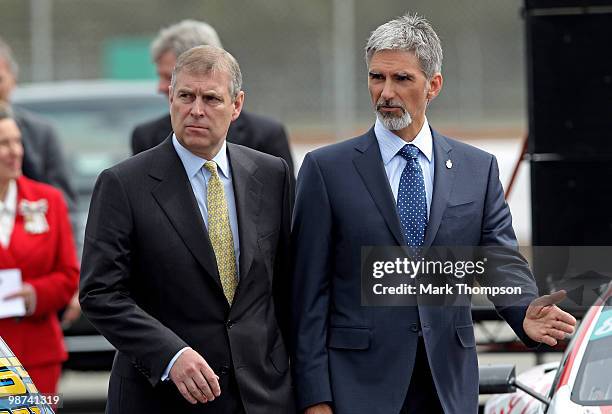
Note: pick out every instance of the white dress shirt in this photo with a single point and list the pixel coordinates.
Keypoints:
(390, 144)
(8, 212)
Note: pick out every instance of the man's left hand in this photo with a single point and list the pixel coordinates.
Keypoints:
(545, 322)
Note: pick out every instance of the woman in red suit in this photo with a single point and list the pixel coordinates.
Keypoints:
(36, 238)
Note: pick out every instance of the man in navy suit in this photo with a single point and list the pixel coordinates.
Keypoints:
(401, 183)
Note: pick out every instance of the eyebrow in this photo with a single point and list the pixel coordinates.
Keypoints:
(212, 93)
(205, 93)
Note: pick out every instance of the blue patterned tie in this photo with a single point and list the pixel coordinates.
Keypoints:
(411, 198)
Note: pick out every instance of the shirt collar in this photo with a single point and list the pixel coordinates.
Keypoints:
(390, 144)
(193, 164)
(9, 204)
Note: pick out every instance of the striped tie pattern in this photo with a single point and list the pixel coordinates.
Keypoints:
(220, 232)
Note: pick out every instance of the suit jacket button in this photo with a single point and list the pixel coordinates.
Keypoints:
(224, 370)
(229, 324)
(414, 327)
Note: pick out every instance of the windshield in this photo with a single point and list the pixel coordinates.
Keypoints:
(594, 381)
(95, 132)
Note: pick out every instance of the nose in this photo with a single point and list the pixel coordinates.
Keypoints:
(388, 92)
(197, 109)
(18, 149)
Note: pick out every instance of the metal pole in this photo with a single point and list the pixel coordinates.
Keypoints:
(41, 37)
(344, 66)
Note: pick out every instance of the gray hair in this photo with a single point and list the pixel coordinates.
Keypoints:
(412, 34)
(182, 36)
(6, 54)
(205, 59)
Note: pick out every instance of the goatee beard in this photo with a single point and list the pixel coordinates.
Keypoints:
(393, 122)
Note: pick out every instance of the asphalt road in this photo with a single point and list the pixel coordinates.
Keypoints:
(85, 392)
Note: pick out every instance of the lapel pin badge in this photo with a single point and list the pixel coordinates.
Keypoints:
(449, 164)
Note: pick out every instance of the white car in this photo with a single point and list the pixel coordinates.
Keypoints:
(580, 384)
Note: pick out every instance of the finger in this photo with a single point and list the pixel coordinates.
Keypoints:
(551, 299)
(556, 333)
(562, 326)
(554, 313)
(212, 379)
(548, 340)
(556, 297)
(195, 391)
(19, 294)
(202, 384)
(185, 393)
(213, 382)
(563, 316)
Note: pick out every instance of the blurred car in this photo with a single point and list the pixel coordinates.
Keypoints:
(93, 120)
(580, 384)
(18, 394)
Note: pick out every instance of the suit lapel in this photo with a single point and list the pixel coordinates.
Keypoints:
(443, 183)
(370, 167)
(247, 192)
(175, 196)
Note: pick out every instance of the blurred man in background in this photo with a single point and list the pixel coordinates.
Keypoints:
(253, 131)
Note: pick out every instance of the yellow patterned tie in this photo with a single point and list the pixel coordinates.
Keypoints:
(220, 232)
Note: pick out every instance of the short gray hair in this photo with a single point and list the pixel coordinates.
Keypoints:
(182, 36)
(205, 59)
(411, 33)
(6, 54)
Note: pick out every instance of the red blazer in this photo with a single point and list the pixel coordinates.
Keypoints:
(48, 262)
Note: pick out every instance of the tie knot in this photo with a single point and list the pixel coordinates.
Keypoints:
(211, 166)
(409, 151)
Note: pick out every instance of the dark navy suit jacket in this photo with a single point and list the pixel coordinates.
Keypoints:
(361, 358)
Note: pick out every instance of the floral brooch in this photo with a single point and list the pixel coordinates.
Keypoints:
(35, 216)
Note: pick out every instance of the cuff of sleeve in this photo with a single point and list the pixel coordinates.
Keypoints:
(312, 393)
(515, 317)
(166, 374)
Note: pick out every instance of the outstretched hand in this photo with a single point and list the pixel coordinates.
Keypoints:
(545, 322)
